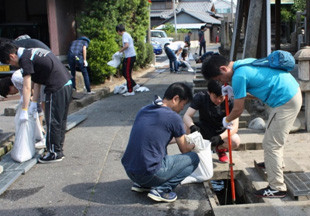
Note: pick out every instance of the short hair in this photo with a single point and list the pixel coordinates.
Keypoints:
(211, 66)
(215, 87)
(181, 89)
(5, 84)
(189, 32)
(202, 27)
(120, 27)
(5, 50)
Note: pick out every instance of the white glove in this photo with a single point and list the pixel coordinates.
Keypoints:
(228, 90)
(227, 125)
(33, 107)
(23, 115)
(85, 63)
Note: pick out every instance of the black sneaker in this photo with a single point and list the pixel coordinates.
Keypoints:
(137, 188)
(261, 165)
(51, 157)
(162, 196)
(270, 193)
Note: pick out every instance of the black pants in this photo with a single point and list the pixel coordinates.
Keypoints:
(202, 46)
(127, 71)
(56, 112)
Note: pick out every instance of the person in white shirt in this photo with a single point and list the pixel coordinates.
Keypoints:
(172, 50)
(130, 57)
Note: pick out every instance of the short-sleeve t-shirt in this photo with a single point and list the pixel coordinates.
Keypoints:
(175, 46)
(273, 86)
(153, 129)
(130, 51)
(210, 115)
(44, 68)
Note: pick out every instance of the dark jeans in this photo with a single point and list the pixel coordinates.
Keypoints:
(80, 63)
(174, 169)
(173, 63)
(56, 112)
(127, 71)
(202, 46)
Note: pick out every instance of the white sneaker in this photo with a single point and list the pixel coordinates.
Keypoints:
(91, 92)
(129, 94)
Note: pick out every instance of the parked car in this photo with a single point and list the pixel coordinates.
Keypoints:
(5, 70)
(157, 47)
(160, 37)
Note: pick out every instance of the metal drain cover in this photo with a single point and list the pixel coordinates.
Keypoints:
(298, 183)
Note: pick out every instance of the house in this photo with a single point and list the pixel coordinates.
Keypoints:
(190, 14)
(51, 21)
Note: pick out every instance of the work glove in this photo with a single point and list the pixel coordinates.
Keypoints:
(33, 108)
(194, 128)
(216, 141)
(157, 100)
(228, 90)
(23, 115)
(85, 63)
(227, 125)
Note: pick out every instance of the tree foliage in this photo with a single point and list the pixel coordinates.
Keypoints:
(98, 22)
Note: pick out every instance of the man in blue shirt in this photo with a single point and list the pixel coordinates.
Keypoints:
(77, 57)
(279, 90)
(146, 160)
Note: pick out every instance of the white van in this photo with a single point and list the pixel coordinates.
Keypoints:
(160, 37)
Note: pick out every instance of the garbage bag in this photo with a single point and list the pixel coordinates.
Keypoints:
(38, 133)
(23, 148)
(116, 60)
(204, 171)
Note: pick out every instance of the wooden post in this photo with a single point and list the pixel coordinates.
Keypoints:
(278, 24)
(308, 23)
(237, 30)
(253, 27)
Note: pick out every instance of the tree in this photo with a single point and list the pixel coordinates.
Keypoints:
(98, 22)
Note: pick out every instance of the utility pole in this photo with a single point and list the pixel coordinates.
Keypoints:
(175, 19)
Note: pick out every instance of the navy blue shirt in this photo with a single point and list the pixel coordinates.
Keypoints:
(153, 129)
(210, 115)
(76, 48)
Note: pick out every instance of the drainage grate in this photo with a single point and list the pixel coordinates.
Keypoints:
(298, 183)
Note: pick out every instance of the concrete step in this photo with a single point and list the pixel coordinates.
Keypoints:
(199, 89)
(200, 82)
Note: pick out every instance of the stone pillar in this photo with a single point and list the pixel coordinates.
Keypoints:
(303, 57)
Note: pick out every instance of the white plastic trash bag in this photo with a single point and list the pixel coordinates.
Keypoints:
(142, 89)
(23, 148)
(204, 171)
(38, 134)
(116, 60)
(121, 89)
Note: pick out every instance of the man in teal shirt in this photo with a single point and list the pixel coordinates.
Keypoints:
(279, 90)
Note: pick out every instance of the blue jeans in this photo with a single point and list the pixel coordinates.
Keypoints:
(173, 63)
(80, 63)
(174, 168)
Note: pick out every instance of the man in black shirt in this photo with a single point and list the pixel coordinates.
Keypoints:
(211, 112)
(42, 67)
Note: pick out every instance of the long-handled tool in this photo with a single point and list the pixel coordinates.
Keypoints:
(233, 195)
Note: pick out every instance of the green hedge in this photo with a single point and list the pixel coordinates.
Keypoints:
(98, 22)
